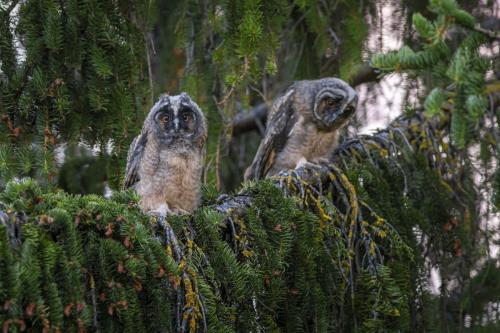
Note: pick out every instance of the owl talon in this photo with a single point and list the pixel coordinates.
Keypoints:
(305, 163)
(161, 211)
(322, 160)
(301, 163)
(179, 211)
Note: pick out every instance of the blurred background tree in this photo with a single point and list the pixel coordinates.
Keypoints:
(77, 78)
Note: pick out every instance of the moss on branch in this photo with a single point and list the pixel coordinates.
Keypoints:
(302, 249)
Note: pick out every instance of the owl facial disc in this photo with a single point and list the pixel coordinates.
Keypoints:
(334, 104)
(177, 119)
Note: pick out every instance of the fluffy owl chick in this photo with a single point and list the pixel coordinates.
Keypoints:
(303, 126)
(165, 161)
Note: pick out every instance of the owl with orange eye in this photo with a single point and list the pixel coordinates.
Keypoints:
(303, 126)
(165, 161)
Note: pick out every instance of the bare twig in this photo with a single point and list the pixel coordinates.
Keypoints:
(150, 69)
(489, 33)
(247, 121)
(95, 322)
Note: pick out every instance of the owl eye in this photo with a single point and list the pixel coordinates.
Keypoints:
(165, 119)
(185, 117)
(330, 102)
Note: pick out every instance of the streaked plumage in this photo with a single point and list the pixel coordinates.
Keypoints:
(303, 125)
(165, 161)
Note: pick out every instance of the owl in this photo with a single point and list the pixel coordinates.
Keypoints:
(303, 126)
(165, 161)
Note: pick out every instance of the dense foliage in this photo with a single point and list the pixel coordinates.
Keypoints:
(71, 71)
(70, 263)
(463, 104)
(348, 246)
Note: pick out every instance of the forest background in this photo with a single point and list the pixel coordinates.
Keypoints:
(400, 233)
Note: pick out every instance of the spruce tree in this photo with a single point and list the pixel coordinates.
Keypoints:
(342, 246)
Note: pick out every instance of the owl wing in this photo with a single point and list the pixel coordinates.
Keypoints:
(280, 123)
(134, 157)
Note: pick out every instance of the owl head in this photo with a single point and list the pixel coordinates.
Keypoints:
(331, 100)
(177, 120)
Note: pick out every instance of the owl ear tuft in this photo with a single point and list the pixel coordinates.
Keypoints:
(185, 96)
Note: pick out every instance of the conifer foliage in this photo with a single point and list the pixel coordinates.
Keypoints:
(72, 263)
(457, 73)
(344, 246)
(71, 71)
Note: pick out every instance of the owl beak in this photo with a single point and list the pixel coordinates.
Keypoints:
(176, 125)
(340, 117)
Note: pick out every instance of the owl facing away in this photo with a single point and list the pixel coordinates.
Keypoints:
(303, 126)
(165, 161)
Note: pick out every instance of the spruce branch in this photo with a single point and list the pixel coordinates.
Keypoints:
(487, 32)
(227, 248)
(402, 128)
